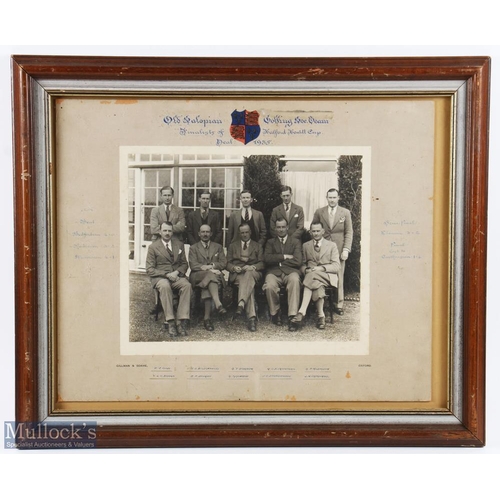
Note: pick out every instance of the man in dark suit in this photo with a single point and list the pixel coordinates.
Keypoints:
(283, 257)
(166, 265)
(207, 261)
(320, 267)
(292, 213)
(245, 263)
(167, 212)
(337, 224)
(201, 216)
(247, 215)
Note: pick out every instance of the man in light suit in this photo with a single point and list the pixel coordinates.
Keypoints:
(337, 223)
(283, 257)
(320, 266)
(292, 213)
(167, 212)
(203, 215)
(245, 263)
(207, 261)
(250, 216)
(166, 265)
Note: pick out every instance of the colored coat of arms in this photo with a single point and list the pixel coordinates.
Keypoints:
(245, 126)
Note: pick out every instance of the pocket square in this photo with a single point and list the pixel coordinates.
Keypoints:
(296, 215)
(342, 219)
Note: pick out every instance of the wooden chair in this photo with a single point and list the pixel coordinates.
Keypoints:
(331, 293)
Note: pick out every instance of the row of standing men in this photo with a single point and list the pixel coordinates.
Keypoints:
(289, 263)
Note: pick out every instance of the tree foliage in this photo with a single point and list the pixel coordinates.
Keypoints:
(350, 170)
(261, 177)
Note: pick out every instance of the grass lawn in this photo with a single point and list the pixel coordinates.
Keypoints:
(144, 328)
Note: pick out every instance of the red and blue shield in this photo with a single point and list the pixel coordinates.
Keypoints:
(245, 126)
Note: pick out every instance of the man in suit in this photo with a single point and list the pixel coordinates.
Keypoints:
(283, 257)
(204, 215)
(167, 212)
(166, 265)
(292, 213)
(250, 216)
(245, 263)
(207, 261)
(337, 223)
(320, 266)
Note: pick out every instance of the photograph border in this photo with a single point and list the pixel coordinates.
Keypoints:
(31, 78)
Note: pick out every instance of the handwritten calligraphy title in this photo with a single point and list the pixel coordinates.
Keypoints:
(274, 126)
(191, 120)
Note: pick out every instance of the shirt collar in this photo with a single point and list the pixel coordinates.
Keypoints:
(318, 242)
(284, 238)
(243, 242)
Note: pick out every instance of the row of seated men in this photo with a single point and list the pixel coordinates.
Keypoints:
(283, 259)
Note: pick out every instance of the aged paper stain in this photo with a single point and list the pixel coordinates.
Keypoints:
(126, 101)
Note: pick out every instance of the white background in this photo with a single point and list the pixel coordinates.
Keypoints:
(215, 27)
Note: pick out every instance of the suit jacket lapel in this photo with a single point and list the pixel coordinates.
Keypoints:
(323, 249)
(337, 217)
(211, 251)
(211, 217)
(287, 246)
(175, 250)
(281, 211)
(325, 217)
(198, 218)
(162, 214)
(162, 249)
(237, 253)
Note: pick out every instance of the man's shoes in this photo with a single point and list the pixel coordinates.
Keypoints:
(183, 328)
(340, 312)
(207, 323)
(297, 320)
(171, 328)
(252, 325)
(276, 319)
(221, 310)
(321, 323)
(152, 311)
(239, 311)
(292, 327)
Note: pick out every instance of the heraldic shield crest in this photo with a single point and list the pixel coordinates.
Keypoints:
(245, 126)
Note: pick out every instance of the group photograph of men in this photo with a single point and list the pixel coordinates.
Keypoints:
(266, 278)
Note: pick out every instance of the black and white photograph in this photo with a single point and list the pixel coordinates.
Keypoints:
(228, 247)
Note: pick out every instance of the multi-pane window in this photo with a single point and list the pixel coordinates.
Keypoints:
(131, 213)
(189, 174)
(154, 179)
(224, 183)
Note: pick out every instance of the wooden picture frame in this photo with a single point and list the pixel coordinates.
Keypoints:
(38, 81)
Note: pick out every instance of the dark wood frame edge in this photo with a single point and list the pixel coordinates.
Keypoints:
(28, 70)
